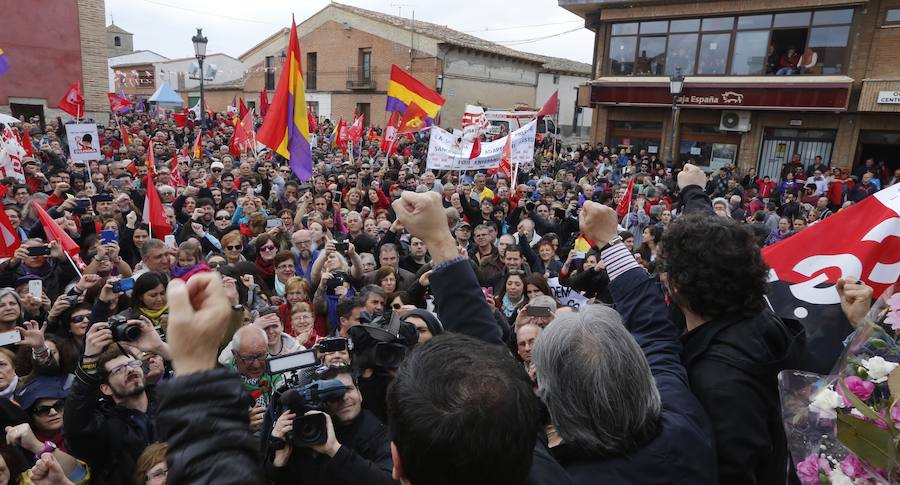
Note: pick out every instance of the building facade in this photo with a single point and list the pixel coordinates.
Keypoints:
(741, 102)
(118, 40)
(134, 73)
(43, 67)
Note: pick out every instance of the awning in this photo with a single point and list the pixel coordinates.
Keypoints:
(791, 93)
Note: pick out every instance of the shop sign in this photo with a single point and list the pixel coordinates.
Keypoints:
(888, 97)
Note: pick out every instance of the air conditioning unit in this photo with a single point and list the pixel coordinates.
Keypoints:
(735, 121)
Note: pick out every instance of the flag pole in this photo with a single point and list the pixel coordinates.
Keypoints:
(75, 266)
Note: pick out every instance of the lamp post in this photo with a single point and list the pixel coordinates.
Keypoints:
(676, 83)
(200, 53)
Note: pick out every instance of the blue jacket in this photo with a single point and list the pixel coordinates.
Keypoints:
(683, 452)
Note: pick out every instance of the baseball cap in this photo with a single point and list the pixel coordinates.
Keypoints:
(543, 301)
(217, 165)
(41, 387)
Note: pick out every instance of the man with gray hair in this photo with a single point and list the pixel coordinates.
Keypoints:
(614, 432)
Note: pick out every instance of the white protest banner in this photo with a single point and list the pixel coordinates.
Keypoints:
(84, 143)
(565, 295)
(11, 153)
(447, 151)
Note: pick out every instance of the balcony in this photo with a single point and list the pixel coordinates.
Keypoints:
(360, 78)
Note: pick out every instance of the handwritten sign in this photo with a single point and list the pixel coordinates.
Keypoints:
(566, 295)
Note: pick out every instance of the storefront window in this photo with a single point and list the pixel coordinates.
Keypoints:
(713, 54)
(621, 55)
(830, 46)
(681, 53)
(636, 136)
(651, 56)
(750, 53)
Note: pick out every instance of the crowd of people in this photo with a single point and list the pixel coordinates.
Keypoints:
(431, 301)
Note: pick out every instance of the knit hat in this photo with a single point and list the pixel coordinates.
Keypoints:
(431, 320)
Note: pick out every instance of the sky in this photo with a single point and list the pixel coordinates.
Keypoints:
(234, 26)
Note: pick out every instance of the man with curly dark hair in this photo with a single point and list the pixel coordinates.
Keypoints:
(734, 345)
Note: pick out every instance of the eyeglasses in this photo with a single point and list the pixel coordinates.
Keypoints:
(134, 364)
(158, 474)
(216, 170)
(81, 318)
(234, 248)
(222, 218)
(267, 248)
(58, 406)
(250, 358)
(285, 267)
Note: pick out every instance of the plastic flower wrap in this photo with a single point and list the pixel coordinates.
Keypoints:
(844, 428)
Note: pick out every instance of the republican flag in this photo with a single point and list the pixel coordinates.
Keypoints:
(413, 119)
(263, 103)
(624, 206)
(54, 232)
(154, 216)
(197, 152)
(861, 241)
(311, 119)
(118, 104)
(551, 106)
(404, 89)
(9, 237)
(73, 101)
(27, 144)
(354, 133)
(286, 129)
(4, 62)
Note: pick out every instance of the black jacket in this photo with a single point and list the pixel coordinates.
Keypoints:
(363, 458)
(733, 367)
(110, 438)
(203, 417)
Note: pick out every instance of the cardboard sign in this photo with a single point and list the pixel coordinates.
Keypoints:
(84, 143)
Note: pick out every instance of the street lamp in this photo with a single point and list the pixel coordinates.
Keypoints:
(200, 53)
(676, 83)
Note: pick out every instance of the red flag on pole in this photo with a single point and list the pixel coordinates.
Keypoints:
(506, 157)
(117, 103)
(126, 138)
(413, 119)
(73, 101)
(311, 120)
(54, 232)
(151, 160)
(551, 107)
(242, 109)
(625, 204)
(27, 145)
(197, 152)
(10, 240)
(263, 103)
(154, 216)
(390, 134)
(354, 133)
(242, 140)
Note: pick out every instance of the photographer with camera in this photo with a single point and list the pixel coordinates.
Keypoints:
(353, 449)
(109, 414)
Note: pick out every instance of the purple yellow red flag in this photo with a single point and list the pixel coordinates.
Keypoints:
(403, 89)
(286, 128)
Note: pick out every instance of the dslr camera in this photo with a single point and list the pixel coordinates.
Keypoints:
(122, 331)
(310, 430)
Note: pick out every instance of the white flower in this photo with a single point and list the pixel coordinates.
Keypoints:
(837, 477)
(825, 402)
(878, 368)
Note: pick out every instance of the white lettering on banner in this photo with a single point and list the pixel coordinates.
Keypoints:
(566, 295)
(447, 151)
(84, 143)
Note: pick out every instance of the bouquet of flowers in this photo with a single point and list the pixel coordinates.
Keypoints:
(844, 428)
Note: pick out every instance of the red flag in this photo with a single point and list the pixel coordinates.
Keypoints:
(9, 237)
(151, 160)
(413, 119)
(73, 101)
(54, 232)
(354, 133)
(126, 138)
(242, 140)
(242, 109)
(476, 148)
(132, 169)
(624, 206)
(506, 157)
(342, 136)
(118, 103)
(27, 145)
(180, 119)
(311, 120)
(551, 107)
(198, 148)
(154, 216)
(390, 133)
(264, 103)
(371, 134)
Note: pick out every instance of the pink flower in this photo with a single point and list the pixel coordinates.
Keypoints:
(852, 467)
(808, 469)
(860, 388)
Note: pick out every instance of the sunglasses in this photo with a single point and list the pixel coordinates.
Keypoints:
(222, 218)
(58, 406)
(234, 248)
(81, 318)
(216, 170)
(267, 248)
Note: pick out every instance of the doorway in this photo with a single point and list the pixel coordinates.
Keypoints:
(880, 146)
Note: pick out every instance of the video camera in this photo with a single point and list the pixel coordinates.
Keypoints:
(382, 340)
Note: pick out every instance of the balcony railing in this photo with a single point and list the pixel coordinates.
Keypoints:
(359, 78)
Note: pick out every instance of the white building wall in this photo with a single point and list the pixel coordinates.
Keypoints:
(228, 69)
(567, 86)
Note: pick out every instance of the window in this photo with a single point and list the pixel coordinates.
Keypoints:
(734, 45)
(621, 54)
(892, 16)
(555, 79)
(365, 64)
(364, 109)
(311, 67)
(270, 73)
(117, 41)
(681, 53)
(714, 54)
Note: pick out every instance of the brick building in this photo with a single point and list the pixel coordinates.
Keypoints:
(42, 67)
(733, 107)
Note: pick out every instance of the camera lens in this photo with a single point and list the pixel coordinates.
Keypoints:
(310, 430)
